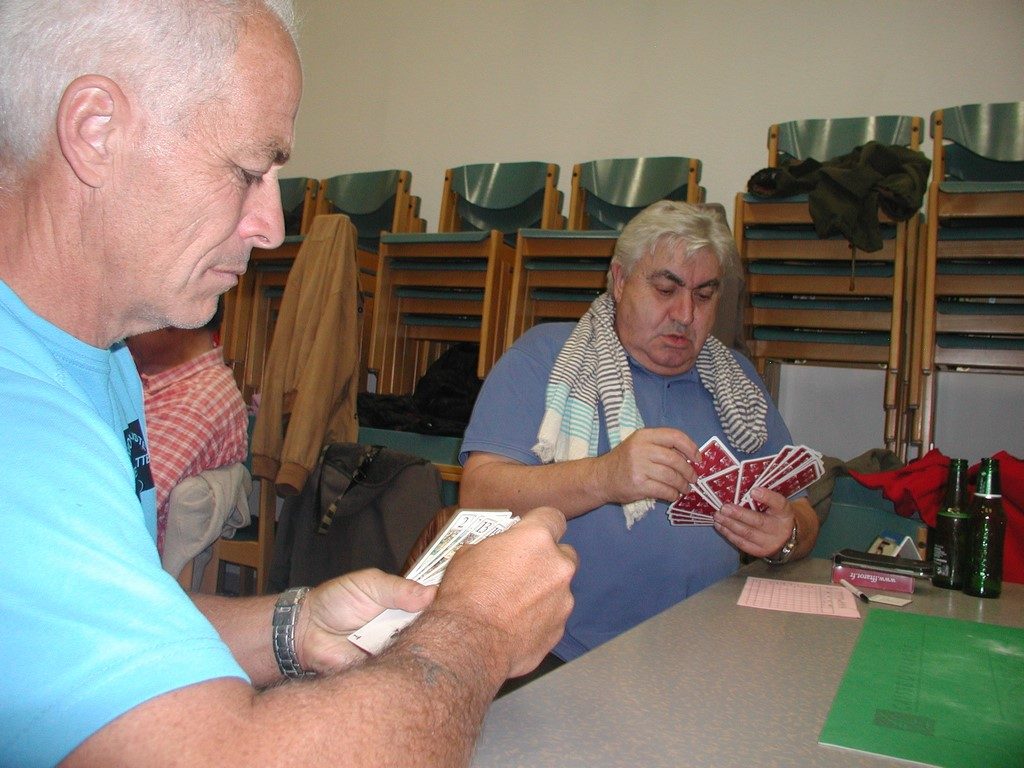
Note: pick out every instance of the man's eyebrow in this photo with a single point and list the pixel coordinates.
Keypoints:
(278, 153)
(667, 275)
(673, 277)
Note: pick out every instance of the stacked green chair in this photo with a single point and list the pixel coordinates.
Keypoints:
(376, 202)
(500, 196)
(438, 289)
(607, 194)
(817, 301)
(435, 290)
(245, 336)
(972, 308)
(298, 202)
(558, 273)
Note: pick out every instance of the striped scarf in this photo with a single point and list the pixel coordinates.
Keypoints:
(593, 368)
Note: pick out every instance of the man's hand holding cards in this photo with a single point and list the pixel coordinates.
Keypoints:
(467, 526)
(722, 479)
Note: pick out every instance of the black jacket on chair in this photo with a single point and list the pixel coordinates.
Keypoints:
(362, 507)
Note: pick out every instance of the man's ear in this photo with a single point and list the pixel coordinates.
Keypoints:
(91, 120)
(618, 277)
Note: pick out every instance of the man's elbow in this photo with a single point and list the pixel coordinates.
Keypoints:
(481, 481)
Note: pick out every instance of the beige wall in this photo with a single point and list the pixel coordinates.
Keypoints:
(428, 84)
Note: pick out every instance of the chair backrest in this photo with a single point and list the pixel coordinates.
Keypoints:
(825, 138)
(502, 196)
(607, 194)
(298, 199)
(375, 202)
(987, 141)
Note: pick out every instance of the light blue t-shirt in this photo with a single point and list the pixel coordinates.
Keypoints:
(93, 626)
(625, 576)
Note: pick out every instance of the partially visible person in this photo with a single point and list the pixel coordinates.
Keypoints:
(195, 416)
(140, 146)
(603, 418)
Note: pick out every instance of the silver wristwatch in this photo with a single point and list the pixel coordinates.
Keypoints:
(787, 549)
(286, 615)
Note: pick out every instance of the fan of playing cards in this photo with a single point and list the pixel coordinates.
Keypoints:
(721, 478)
(467, 526)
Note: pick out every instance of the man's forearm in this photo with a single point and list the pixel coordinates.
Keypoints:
(420, 703)
(245, 625)
(453, 667)
(571, 486)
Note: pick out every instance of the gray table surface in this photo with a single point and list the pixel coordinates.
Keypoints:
(708, 683)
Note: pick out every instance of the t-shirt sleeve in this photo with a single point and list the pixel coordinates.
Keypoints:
(509, 408)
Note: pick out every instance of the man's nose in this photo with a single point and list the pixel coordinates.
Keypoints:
(263, 219)
(682, 308)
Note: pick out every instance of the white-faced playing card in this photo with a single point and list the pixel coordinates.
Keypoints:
(467, 526)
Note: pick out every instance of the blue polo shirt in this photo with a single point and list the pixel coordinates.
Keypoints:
(625, 576)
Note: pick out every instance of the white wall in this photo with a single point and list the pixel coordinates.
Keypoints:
(841, 414)
(428, 84)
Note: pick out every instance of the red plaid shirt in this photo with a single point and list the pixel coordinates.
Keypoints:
(195, 420)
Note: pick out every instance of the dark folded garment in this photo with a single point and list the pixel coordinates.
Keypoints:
(846, 193)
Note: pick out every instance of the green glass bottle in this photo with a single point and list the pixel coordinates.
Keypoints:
(949, 548)
(986, 534)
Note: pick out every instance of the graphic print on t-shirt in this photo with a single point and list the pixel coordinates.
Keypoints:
(138, 452)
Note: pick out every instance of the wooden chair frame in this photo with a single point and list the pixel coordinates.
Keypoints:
(471, 280)
(898, 251)
(945, 203)
(404, 218)
(555, 261)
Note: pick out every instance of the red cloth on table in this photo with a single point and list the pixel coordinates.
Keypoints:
(919, 487)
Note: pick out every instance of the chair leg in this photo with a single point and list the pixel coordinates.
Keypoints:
(265, 534)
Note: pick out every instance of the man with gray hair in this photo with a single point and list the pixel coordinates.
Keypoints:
(140, 146)
(603, 419)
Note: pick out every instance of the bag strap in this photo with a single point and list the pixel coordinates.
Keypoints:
(358, 475)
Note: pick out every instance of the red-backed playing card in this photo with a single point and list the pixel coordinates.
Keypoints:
(720, 487)
(721, 478)
(714, 457)
(750, 471)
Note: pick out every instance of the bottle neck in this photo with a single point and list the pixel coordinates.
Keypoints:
(988, 480)
(956, 485)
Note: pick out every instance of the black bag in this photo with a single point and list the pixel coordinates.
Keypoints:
(363, 506)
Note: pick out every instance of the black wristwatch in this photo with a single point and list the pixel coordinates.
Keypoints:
(786, 553)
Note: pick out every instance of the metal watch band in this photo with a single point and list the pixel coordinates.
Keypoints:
(286, 615)
(787, 549)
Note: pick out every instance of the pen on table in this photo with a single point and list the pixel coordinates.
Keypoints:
(857, 592)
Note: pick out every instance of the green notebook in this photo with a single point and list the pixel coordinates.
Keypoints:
(938, 691)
